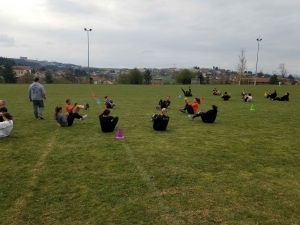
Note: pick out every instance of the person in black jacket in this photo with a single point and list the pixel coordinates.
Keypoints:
(164, 103)
(272, 95)
(207, 117)
(187, 93)
(283, 98)
(107, 122)
(226, 96)
(160, 121)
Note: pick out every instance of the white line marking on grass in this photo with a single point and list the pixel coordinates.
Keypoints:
(90, 89)
(20, 203)
(163, 205)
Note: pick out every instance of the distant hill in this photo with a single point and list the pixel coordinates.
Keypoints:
(296, 75)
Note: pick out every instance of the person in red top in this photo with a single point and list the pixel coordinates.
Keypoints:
(191, 107)
(75, 109)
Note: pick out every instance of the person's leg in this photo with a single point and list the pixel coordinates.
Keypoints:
(197, 115)
(77, 108)
(70, 119)
(245, 99)
(77, 116)
(184, 109)
(35, 108)
(190, 109)
(183, 91)
(41, 108)
(108, 106)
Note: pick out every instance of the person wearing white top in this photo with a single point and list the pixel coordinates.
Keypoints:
(247, 98)
(6, 126)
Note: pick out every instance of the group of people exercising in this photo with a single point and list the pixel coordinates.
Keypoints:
(108, 122)
(160, 121)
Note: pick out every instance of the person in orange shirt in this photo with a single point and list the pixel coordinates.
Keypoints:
(75, 109)
(191, 107)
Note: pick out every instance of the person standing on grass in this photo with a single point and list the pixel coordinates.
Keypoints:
(3, 109)
(37, 94)
(107, 122)
(75, 109)
(207, 117)
(160, 121)
(7, 125)
(190, 107)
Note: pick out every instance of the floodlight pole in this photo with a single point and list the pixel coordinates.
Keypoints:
(258, 40)
(87, 31)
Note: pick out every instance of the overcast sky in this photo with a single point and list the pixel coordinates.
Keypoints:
(153, 33)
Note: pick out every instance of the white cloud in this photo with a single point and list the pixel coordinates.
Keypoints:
(189, 33)
(5, 40)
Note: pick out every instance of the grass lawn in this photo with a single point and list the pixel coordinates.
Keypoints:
(243, 169)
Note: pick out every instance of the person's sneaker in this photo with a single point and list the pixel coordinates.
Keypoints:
(40, 117)
(87, 106)
(182, 110)
(191, 117)
(83, 117)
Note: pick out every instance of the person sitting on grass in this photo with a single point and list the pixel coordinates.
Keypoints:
(226, 96)
(164, 103)
(190, 107)
(109, 103)
(187, 93)
(272, 95)
(216, 92)
(283, 98)
(107, 122)
(243, 93)
(6, 125)
(160, 121)
(75, 109)
(64, 121)
(2, 109)
(207, 117)
(247, 98)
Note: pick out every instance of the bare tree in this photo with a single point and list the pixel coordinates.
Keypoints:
(242, 63)
(283, 70)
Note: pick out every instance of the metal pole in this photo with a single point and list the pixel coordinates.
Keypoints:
(87, 31)
(258, 40)
(88, 56)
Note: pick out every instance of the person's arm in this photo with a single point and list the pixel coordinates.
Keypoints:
(43, 93)
(29, 94)
(156, 117)
(187, 101)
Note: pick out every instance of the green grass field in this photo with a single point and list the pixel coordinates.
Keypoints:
(243, 169)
